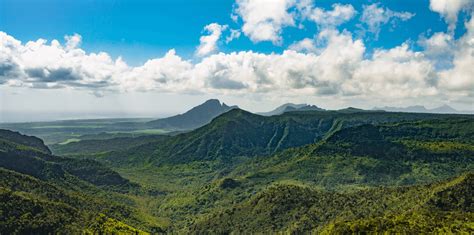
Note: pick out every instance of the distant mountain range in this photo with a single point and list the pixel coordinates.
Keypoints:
(289, 107)
(422, 109)
(194, 118)
(205, 112)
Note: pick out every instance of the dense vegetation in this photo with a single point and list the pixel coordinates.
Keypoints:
(441, 207)
(43, 193)
(319, 171)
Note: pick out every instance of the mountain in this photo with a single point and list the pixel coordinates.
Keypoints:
(444, 109)
(194, 118)
(365, 178)
(421, 109)
(353, 110)
(239, 133)
(288, 107)
(303, 108)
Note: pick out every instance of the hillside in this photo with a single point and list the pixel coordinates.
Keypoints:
(296, 209)
(28, 141)
(27, 155)
(33, 206)
(43, 193)
(194, 118)
(386, 154)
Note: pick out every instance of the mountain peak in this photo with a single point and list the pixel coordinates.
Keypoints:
(212, 101)
(289, 107)
(193, 118)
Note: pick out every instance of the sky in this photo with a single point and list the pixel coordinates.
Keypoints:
(122, 58)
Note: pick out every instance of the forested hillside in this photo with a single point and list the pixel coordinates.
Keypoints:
(240, 133)
(42, 193)
(445, 207)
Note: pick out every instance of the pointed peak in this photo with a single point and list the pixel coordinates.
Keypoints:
(212, 101)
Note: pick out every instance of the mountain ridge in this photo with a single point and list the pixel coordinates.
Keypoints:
(444, 109)
(289, 107)
(242, 133)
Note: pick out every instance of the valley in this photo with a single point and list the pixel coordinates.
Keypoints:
(300, 171)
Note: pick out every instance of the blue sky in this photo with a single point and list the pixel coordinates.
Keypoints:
(142, 29)
(152, 58)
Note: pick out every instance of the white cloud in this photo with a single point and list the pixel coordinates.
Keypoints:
(263, 20)
(234, 34)
(336, 67)
(374, 16)
(394, 73)
(208, 43)
(305, 45)
(287, 73)
(335, 17)
(450, 9)
(168, 73)
(42, 65)
(439, 48)
(438, 44)
(459, 80)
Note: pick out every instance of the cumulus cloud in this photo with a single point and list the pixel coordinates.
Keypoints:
(208, 43)
(305, 45)
(168, 73)
(449, 10)
(459, 79)
(332, 18)
(263, 20)
(394, 73)
(374, 16)
(284, 73)
(337, 65)
(42, 65)
(439, 48)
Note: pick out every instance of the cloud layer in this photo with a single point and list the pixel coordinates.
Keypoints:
(333, 63)
(337, 68)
